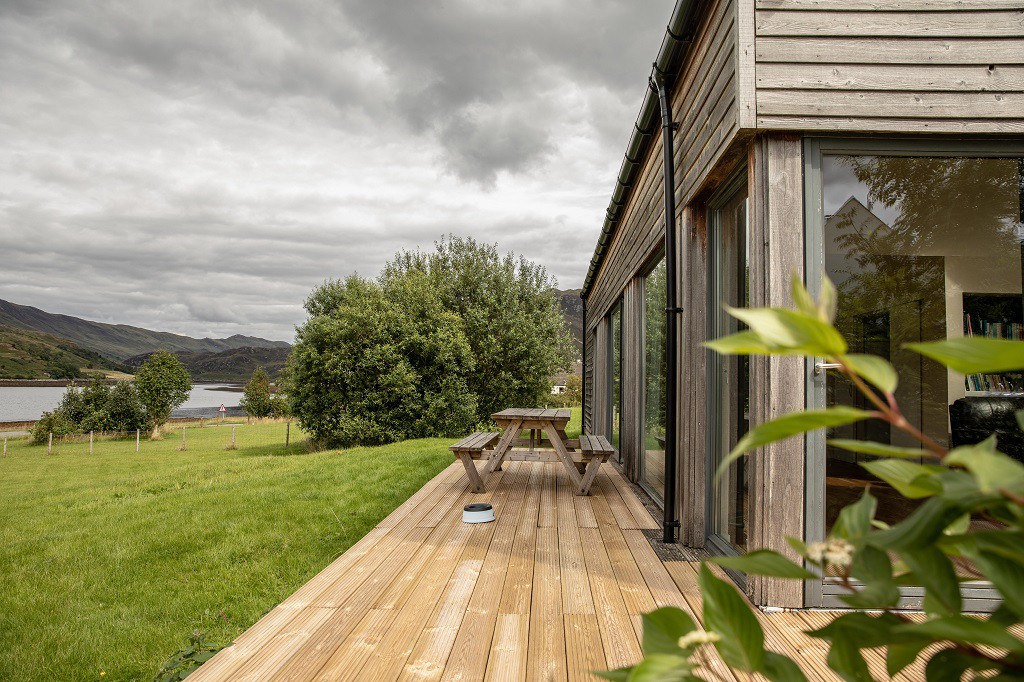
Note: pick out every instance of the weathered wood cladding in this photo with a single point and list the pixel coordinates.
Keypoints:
(776, 472)
(851, 65)
(632, 425)
(704, 102)
(588, 384)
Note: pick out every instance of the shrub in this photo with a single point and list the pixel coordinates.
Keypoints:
(934, 547)
(52, 422)
(256, 395)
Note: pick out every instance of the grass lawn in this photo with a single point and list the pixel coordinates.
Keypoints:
(109, 560)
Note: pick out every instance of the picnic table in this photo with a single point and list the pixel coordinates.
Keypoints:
(547, 442)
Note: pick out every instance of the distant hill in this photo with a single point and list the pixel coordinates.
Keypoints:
(28, 354)
(235, 365)
(572, 308)
(119, 341)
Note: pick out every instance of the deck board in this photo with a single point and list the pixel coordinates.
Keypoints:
(551, 590)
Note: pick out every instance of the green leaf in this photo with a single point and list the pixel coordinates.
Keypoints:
(935, 573)
(845, 658)
(798, 545)
(791, 425)
(922, 528)
(910, 479)
(765, 562)
(878, 372)
(1006, 575)
(993, 470)
(617, 675)
(779, 668)
(662, 629)
(974, 354)
(963, 630)
(728, 614)
(947, 665)
(899, 656)
(741, 343)
(662, 668)
(854, 520)
(827, 299)
(873, 567)
(881, 449)
(802, 298)
(788, 329)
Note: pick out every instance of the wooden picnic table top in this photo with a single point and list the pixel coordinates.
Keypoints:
(532, 414)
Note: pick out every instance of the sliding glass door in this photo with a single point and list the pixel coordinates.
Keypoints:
(729, 376)
(923, 242)
(615, 377)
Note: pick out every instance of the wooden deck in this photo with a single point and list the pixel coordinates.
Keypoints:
(552, 589)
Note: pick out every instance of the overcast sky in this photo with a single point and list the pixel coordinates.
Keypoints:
(198, 167)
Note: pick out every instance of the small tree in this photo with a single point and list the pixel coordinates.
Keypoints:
(163, 383)
(256, 398)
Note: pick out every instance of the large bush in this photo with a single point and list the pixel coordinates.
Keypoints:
(256, 397)
(377, 364)
(509, 313)
(163, 383)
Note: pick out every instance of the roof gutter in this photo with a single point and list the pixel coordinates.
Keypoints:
(678, 36)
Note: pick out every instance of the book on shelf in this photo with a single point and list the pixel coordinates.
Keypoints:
(994, 316)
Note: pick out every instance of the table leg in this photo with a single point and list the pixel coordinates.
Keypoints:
(511, 431)
(563, 454)
(588, 479)
(474, 475)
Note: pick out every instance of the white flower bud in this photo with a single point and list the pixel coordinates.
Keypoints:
(698, 637)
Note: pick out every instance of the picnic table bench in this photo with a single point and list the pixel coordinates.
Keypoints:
(547, 442)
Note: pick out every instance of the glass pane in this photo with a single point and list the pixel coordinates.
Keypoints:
(615, 372)
(730, 501)
(921, 249)
(652, 466)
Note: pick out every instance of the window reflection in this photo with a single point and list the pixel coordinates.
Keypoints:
(730, 502)
(921, 249)
(615, 372)
(652, 466)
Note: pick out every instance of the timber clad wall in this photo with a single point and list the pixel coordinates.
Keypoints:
(890, 65)
(704, 101)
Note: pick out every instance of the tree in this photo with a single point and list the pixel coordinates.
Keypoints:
(163, 383)
(375, 365)
(509, 313)
(124, 408)
(969, 526)
(256, 397)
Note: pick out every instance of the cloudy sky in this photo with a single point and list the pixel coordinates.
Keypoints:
(198, 167)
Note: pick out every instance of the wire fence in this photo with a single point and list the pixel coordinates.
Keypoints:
(252, 436)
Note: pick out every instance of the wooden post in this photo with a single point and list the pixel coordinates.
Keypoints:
(287, 435)
(5, 447)
(183, 438)
(136, 440)
(90, 442)
(49, 447)
(232, 436)
(200, 422)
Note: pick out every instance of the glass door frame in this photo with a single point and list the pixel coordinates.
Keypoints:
(737, 183)
(611, 370)
(817, 593)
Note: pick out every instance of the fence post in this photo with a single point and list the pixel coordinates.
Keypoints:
(49, 448)
(90, 442)
(232, 436)
(5, 447)
(183, 438)
(287, 433)
(136, 440)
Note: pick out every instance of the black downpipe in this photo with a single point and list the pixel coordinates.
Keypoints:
(668, 128)
(583, 408)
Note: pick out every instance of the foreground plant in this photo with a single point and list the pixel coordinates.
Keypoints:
(933, 547)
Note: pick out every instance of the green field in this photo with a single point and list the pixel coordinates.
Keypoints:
(108, 561)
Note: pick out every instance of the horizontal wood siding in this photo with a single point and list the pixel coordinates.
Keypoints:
(704, 102)
(943, 66)
(588, 385)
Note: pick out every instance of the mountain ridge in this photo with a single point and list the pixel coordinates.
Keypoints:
(120, 342)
